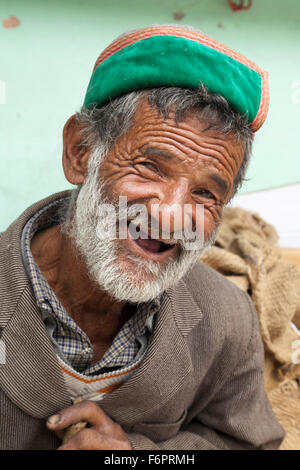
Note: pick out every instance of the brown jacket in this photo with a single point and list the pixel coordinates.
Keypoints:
(200, 385)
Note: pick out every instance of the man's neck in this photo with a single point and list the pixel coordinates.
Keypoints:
(94, 311)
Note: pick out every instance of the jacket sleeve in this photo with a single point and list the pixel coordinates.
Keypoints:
(239, 416)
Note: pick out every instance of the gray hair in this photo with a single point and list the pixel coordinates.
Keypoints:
(102, 126)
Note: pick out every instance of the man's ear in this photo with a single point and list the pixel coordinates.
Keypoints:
(75, 155)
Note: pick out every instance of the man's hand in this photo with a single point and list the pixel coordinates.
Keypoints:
(102, 433)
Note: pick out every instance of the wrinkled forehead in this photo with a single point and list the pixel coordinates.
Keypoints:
(149, 123)
(183, 147)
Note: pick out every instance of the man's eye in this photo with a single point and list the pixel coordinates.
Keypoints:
(205, 193)
(150, 166)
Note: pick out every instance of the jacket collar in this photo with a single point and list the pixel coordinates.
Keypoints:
(31, 376)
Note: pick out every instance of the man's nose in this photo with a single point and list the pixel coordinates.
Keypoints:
(172, 207)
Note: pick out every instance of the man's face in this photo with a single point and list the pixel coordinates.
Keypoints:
(159, 164)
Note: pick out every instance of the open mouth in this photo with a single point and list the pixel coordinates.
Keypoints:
(151, 247)
(155, 246)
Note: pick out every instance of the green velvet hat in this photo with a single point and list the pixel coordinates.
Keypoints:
(160, 56)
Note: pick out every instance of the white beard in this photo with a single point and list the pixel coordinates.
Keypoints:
(124, 276)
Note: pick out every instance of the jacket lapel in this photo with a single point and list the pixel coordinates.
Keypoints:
(30, 376)
(167, 365)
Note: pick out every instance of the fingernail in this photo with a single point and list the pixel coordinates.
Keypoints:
(55, 419)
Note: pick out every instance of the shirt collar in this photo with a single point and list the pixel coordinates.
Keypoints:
(44, 218)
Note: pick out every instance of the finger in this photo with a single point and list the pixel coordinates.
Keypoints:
(87, 411)
(87, 439)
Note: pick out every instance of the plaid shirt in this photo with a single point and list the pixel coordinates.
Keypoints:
(69, 341)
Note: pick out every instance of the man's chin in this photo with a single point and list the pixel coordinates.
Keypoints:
(138, 271)
(136, 280)
(143, 281)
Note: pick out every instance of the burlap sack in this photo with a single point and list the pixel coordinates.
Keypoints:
(246, 252)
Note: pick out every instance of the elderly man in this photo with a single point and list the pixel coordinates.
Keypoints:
(163, 352)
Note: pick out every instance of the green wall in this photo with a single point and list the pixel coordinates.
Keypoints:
(46, 63)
